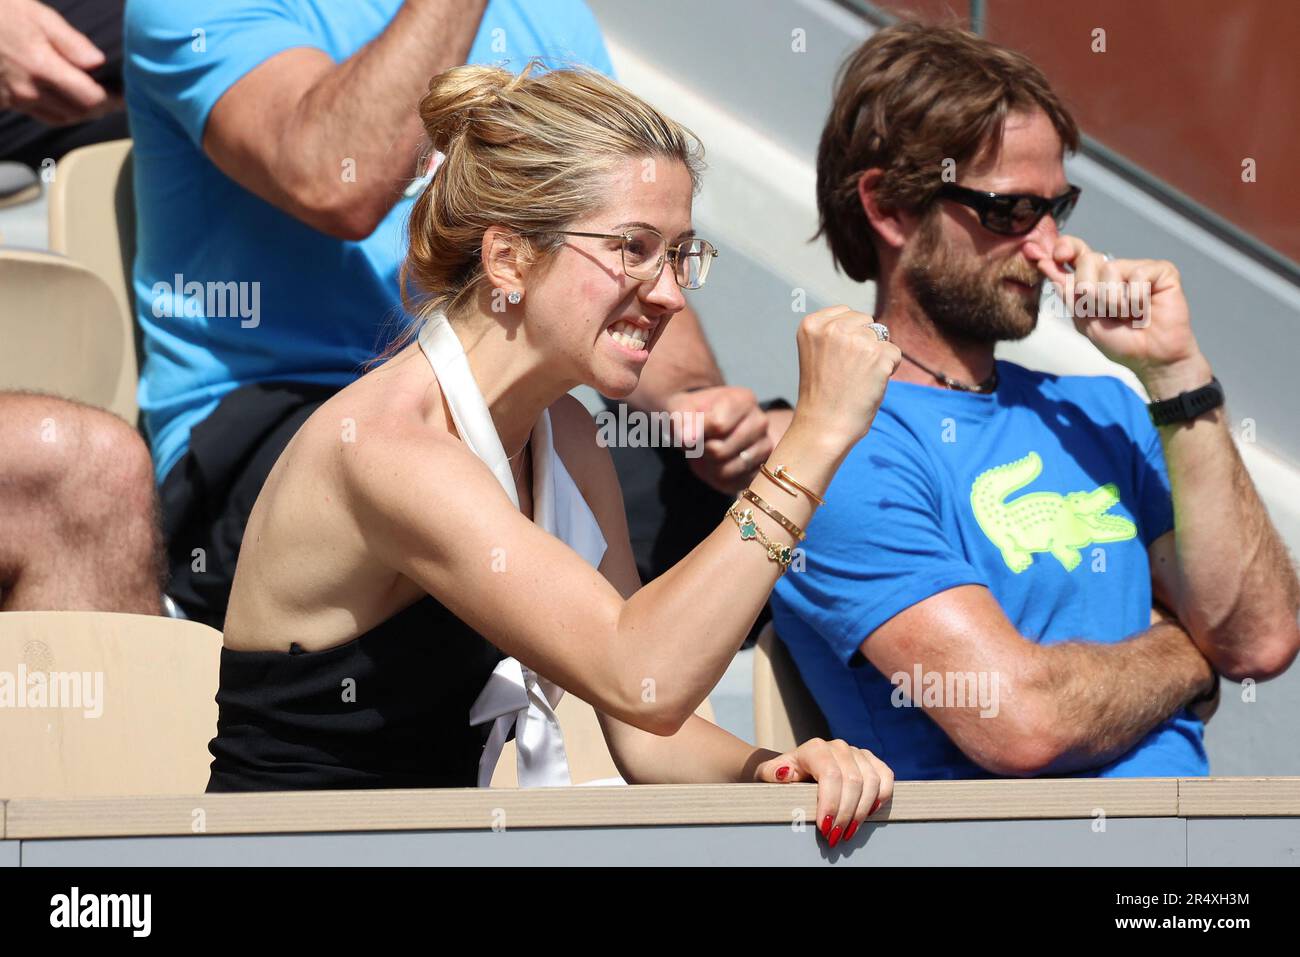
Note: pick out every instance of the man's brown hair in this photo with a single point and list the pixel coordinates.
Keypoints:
(910, 97)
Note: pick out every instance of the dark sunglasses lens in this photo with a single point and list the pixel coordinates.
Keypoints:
(1007, 216)
(1025, 214)
(1064, 207)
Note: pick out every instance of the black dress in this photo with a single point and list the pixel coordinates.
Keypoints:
(389, 709)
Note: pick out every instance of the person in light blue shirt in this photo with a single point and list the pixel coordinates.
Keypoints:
(275, 144)
(944, 492)
(1018, 573)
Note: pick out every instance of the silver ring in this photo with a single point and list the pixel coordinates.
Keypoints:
(745, 457)
(1107, 257)
(880, 329)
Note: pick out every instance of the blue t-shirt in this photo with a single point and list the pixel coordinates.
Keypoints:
(1047, 492)
(230, 290)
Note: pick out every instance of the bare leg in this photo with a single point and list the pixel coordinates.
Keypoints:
(79, 523)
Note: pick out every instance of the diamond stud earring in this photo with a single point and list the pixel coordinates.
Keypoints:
(514, 297)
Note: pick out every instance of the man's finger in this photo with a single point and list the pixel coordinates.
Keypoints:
(749, 431)
(726, 413)
(71, 84)
(75, 47)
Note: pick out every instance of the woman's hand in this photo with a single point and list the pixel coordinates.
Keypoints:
(851, 783)
(843, 371)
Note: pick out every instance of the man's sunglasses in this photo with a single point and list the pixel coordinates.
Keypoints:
(1012, 214)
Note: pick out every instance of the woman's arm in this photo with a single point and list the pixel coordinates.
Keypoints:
(432, 511)
(852, 782)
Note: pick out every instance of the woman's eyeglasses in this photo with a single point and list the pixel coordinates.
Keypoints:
(1012, 214)
(645, 251)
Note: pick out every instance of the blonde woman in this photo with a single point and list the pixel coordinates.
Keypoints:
(446, 533)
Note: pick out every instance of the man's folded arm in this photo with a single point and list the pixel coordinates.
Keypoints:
(1061, 707)
(334, 144)
(1225, 569)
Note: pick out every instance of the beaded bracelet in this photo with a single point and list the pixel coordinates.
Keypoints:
(781, 554)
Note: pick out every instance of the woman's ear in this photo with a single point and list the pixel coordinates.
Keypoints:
(503, 262)
(888, 223)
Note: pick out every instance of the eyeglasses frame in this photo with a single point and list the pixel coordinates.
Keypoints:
(711, 250)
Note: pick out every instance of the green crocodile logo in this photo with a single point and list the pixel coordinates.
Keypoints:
(1043, 521)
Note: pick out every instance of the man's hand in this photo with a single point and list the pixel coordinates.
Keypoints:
(45, 64)
(1205, 706)
(735, 440)
(1133, 310)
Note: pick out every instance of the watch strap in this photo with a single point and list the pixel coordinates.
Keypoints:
(1187, 405)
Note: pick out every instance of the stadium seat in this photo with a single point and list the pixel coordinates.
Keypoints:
(156, 711)
(784, 710)
(18, 185)
(64, 332)
(92, 222)
(92, 214)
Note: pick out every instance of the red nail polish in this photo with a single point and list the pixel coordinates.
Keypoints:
(875, 807)
(826, 826)
(835, 835)
(853, 829)
(782, 772)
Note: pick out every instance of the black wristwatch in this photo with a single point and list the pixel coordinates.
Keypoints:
(1187, 405)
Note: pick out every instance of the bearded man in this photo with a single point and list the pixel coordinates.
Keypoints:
(1018, 573)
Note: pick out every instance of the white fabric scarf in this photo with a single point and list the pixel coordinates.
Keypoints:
(516, 696)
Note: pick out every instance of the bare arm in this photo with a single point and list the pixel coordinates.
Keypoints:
(1224, 569)
(701, 751)
(285, 130)
(433, 512)
(852, 783)
(1060, 707)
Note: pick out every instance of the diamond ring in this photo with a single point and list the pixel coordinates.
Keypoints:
(880, 329)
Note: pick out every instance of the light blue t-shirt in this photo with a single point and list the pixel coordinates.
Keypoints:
(1047, 492)
(229, 289)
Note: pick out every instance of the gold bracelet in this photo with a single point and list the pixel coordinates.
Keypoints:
(781, 476)
(751, 496)
(781, 554)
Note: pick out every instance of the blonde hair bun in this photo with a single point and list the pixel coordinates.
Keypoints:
(529, 153)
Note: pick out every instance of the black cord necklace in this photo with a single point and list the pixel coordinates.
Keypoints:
(985, 387)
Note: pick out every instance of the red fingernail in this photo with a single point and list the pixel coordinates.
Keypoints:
(835, 835)
(875, 807)
(782, 771)
(826, 826)
(853, 829)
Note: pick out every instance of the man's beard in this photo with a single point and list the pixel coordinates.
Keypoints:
(965, 296)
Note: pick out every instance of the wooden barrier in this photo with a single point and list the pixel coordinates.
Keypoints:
(1136, 820)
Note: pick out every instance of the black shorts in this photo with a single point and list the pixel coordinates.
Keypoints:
(208, 495)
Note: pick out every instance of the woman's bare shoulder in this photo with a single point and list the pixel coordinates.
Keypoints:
(380, 433)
